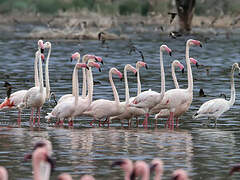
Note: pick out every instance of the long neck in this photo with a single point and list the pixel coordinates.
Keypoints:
(232, 99)
(75, 85)
(126, 86)
(90, 84)
(76, 90)
(162, 73)
(145, 176)
(158, 176)
(138, 81)
(36, 78)
(115, 93)
(189, 70)
(174, 77)
(84, 83)
(40, 73)
(47, 75)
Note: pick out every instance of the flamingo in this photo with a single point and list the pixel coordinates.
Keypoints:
(179, 100)
(66, 108)
(126, 165)
(149, 99)
(216, 107)
(164, 113)
(75, 75)
(3, 173)
(141, 169)
(180, 174)
(157, 166)
(131, 111)
(16, 98)
(105, 108)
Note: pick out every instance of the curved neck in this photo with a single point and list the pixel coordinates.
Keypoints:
(47, 75)
(36, 78)
(115, 93)
(232, 99)
(174, 77)
(189, 70)
(162, 73)
(84, 83)
(90, 84)
(126, 85)
(75, 84)
(138, 81)
(40, 72)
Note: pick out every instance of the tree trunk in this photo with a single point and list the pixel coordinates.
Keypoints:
(185, 10)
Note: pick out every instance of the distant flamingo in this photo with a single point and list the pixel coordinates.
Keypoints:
(157, 166)
(216, 107)
(126, 165)
(16, 98)
(179, 100)
(174, 64)
(3, 173)
(67, 107)
(105, 108)
(141, 169)
(149, 99)
(131, 111)
(164, 113)
(180, 174)
(76, 56)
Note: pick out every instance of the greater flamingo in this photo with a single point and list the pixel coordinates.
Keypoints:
(157, 167)
(164, 113)
(180, 174)
(16, 98)
(149, 99)
(141, 169)
(216, 107)
(179, 100)
(85, 58)
(131, 111)
(105, 108)
(126, 165)
(3, 173)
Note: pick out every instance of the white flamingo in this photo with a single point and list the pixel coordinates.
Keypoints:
(105, 108)
(179, 100)
(216, 107)
(85, 58)
(164, 113)
(132, 111)
(16, 98)
(149, 99)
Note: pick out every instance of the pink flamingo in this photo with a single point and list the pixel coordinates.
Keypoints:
(105, 108)
(76, 56)
(141, 169)
(126, 165)
(149, 99)
(3, 173)
(157, 166)
(16, 98)
(216, 107)
(164, 113)
(179, 99)
(132, 111)
(180, 174)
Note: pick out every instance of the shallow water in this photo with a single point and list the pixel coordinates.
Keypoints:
(203, 151)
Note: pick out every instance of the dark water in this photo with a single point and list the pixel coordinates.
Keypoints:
(203, 151)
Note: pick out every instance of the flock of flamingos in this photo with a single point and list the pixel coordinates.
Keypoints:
(166, 104)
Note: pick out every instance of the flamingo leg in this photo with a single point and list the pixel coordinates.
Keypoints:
(106, 120)
(137, 121)
(99, 123)
(31, 117)
(19, 117)
(39, 110)
(70, 122)
(171, 121)
(145, 122)
(61, 121)
(35, 118)
(91, 123)
(177, 121)
(155, 122)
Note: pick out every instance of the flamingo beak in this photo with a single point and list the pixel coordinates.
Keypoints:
(99, 70)
(121, 79)
(182, 70)
(135, 73)
(27, 157)
(152, 167)
(42, 50)
(71, 59)
(200, 45)
(146, 66)
(170, 53)
(197, 65)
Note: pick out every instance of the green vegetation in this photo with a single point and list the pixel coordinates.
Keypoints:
(118, 7)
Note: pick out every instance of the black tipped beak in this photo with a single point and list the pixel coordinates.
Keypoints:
(133, 175)
(170, 53)
(175, 177)
(87, 68)
(197, 65)
(51, 162)
(200, 45)
(146, 66)
(102, 62)
(100, 70)
(135, 74)
(117, 163)
(152, 167)
(121, 79)
(71, 59)
(42, 50)
(182, 70)
(27, 157)
(239, 74)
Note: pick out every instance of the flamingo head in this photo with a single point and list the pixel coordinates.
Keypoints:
(125, 164)
(98, 59)
(117, 72)
(166, 48)
(94, 64)
(41, 45)
(129, 67)
(82, 65)
(194, 61)
(177, 63)
(192, 42)
(179, 174)
(157, 166)
(47, 45)
(142, 64)
(74, 56)
(140, 168)
(235, 168)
